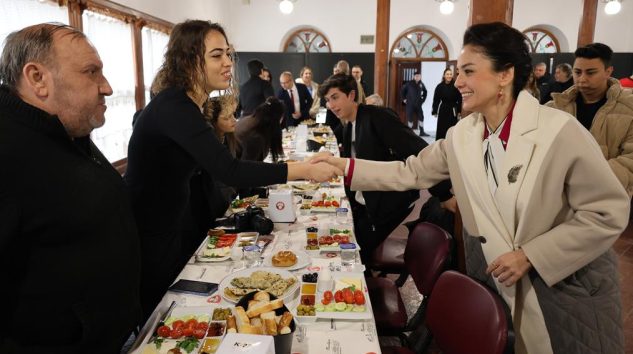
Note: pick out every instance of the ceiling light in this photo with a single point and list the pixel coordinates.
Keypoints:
(286, 7)
(612, 7)
(447, 7)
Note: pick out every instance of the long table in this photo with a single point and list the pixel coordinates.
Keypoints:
(325, 336)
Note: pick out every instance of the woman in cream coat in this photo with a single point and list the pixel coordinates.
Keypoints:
(540, 205)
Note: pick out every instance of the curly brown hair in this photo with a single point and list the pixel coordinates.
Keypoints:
(183, 65)
(221, 106)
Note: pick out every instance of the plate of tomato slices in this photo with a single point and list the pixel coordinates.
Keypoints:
(216, 248)
(185, 329)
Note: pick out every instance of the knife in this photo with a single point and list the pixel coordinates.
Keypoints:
(161, 321)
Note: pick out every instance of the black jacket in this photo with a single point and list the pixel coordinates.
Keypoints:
(253, 93)
(170, 141)
(380, 136)
(69, 250)
(414, 92)
(305, 102)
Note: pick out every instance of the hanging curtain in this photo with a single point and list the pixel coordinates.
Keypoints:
(154, 46)
(113, 41)
(17, 14)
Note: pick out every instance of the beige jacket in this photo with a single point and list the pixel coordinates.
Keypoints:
(612, 127)
(563, 206)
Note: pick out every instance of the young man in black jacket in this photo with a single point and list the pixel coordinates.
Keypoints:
(69, 250)
(373, 133)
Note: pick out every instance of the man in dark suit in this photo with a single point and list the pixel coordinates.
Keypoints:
(373, 133)
(413, 95)
(254, 91)
(296, 97)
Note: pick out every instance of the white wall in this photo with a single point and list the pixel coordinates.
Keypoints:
(615, 30)
(406, 14)
(259, 26)
(178, 11)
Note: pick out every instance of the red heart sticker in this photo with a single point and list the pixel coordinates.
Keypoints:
(215, 299)
(314, 268)
(331, 255)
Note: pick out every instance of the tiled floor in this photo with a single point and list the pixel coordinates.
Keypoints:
(624, 249)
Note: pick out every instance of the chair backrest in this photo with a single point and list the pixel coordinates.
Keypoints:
(465, 316)
(426, 255)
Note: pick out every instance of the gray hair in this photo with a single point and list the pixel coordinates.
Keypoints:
(30, 44)
(375, 100)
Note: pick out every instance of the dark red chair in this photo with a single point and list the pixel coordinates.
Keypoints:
(426, 257)
(388, 258)
(465, 316)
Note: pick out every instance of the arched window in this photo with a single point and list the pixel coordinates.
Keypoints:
(419, 43)
(307, 40)
(541, 40)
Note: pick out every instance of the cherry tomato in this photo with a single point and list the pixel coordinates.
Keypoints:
(199, 333)
(192, 322)
(177, 324)
(348, 295)
(176, 332)
(338, 296)
(315, 204)
(344, 239)
(327, 203)
(359, 297)
(325, 301)
(202, 325)
(335, 204)
(187, 331)
(337, 238)
(163, 331)
(328, 295)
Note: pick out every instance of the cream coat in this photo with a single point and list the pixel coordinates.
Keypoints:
(558, 199)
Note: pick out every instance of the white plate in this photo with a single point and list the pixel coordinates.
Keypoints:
(303, 260)
(287, 295)
(367, 314)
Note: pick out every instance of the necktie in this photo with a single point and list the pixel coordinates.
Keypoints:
(292, 97)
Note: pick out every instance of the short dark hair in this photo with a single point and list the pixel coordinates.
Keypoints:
(506, 47)
(255, 67)
(345, 83)
(595, 50)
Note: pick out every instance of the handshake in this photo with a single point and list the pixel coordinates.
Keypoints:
(321, 167)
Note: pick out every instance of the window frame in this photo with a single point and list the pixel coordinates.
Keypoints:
(307, 46)
(533, 45)
(137, 20)
(418, 53)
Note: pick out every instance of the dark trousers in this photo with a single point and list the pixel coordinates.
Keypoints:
(415, 114)
(370, 235)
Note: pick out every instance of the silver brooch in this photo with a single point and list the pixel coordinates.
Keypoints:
(514, 173)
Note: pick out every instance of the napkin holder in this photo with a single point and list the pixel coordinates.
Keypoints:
(281, 207)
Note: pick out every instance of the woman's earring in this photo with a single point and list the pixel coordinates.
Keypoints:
(500, 93)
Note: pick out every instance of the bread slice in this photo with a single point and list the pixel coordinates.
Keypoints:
(262, 307)
(261, 296)
(251, 303)
(243, 322)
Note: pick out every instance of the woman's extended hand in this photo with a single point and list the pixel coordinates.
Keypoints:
(509, 267)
